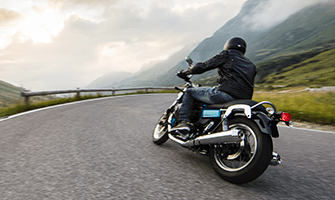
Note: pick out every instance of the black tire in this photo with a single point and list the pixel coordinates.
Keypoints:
(246, 161)
(160, 134)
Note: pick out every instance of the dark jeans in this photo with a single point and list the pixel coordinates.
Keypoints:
(206, 95)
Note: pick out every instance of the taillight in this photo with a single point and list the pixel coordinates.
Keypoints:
(286, 117)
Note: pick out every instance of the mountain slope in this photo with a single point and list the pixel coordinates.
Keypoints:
(318, 70)
(304, 34)
(206, 49)
(213, 45)
(310, 29)
(108, 80)
(237, 26)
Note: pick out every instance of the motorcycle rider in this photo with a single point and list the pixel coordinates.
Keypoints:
(236, 79)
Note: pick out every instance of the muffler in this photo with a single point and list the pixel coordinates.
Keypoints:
(225, 137)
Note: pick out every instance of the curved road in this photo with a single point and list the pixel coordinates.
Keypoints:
(103, 150)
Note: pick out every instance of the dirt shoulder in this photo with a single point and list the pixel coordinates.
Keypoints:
(315, 126)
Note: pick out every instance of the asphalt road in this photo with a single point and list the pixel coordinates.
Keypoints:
(103, 150)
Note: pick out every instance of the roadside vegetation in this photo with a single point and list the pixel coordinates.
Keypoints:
(317, 107)
(19, 106)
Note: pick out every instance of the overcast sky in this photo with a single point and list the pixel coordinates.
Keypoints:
(65, 44)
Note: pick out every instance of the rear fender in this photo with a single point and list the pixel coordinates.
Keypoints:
(265, 124)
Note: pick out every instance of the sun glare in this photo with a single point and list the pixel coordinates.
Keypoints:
(41, 26)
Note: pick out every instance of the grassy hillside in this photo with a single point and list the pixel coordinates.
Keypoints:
(318, 70)
(278, 64)
(9, 94)
(316, 107)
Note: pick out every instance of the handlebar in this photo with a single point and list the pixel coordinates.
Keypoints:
(185, 77)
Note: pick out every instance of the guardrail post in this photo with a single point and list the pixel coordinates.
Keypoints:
(26, 97)
(26, 100)
(78, 93)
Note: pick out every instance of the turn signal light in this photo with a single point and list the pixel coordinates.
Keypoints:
(286, 117)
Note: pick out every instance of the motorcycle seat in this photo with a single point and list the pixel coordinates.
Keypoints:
(231, 103)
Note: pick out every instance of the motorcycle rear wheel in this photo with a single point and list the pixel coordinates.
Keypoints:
(246, 161)
(160, 134)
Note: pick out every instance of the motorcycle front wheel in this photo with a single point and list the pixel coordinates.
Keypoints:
(245, 161)
(160, 134)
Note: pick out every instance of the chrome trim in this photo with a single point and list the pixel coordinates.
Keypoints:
(246, 108)
(209, 126)
(265, 102)
(276, 159)
(231, 136)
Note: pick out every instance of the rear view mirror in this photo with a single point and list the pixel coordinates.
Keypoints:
(189, 60)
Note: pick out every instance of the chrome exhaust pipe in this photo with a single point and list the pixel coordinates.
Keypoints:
(230, 136)
(276, 159)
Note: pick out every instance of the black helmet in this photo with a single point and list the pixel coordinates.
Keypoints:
(236, 43)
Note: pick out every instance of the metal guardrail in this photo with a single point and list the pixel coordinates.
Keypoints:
(28, 94)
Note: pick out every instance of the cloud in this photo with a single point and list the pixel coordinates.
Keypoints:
(8, 16)
(59, 64)
(70, 4)
(125, 38)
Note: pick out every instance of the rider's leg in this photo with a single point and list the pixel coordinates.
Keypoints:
(206, 95)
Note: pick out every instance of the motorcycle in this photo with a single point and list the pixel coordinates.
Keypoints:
(236, 135)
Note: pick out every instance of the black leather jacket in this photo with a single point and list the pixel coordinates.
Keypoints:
(236, 73)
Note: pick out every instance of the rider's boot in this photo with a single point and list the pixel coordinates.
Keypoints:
(183, 129)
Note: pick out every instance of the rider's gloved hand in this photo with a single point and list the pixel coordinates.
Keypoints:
(182, 74)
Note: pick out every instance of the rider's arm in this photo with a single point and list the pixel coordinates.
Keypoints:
(209, 64)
